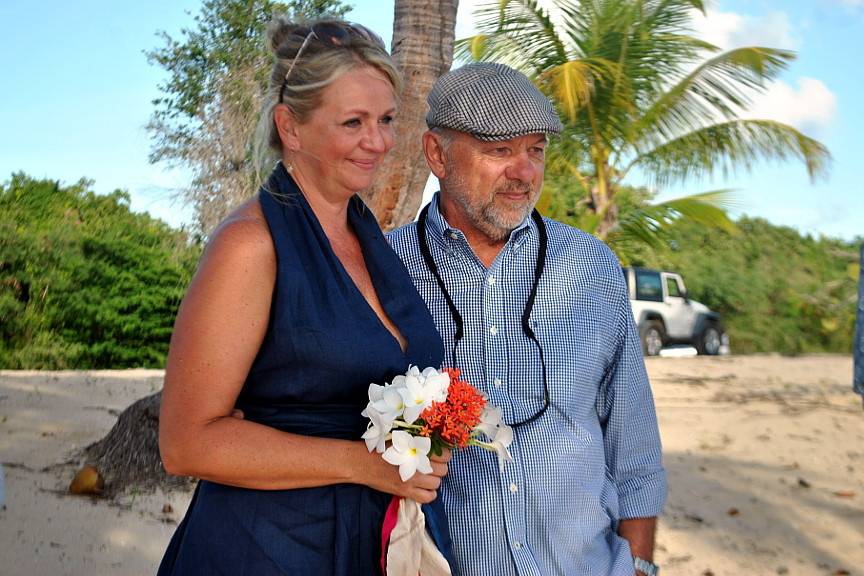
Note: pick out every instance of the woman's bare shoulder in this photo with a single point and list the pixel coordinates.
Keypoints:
(243, 234)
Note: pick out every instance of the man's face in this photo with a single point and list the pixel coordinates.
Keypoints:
(491, 187)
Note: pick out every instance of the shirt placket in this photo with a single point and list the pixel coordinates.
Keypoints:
(496, 308)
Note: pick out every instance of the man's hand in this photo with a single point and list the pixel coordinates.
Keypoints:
(639, 532)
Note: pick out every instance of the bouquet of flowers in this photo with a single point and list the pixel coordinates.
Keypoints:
(418, 414)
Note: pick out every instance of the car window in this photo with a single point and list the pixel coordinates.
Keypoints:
(672, 287)
(648, 286)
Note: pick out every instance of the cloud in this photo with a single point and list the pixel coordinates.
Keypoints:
(731, 30)
(810, 106)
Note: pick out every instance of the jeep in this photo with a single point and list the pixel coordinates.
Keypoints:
(665, 314)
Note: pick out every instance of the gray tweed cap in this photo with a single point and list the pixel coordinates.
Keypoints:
(491, 102)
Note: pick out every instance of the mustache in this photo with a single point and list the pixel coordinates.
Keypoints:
(515, 186)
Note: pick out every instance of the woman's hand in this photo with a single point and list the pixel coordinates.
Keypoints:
(422, 488)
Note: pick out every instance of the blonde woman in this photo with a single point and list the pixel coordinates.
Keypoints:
(298, 305)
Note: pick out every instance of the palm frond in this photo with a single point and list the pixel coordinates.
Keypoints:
(571, 84)
(652, 224)
(708, 208)
(492, 48)
(720, 87)
(516, 32)
(730, 146)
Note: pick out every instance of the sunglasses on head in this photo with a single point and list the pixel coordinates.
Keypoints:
(329, 33)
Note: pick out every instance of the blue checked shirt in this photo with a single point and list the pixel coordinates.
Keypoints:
(594, 456)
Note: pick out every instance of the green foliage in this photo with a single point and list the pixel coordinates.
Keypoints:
(229, 34)
(641, 223)
(217, 73)
(778, 291)
(85, 282)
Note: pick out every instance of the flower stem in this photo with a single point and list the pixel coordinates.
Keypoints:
(403, 424)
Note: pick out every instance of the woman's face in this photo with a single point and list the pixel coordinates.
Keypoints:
(344, 140)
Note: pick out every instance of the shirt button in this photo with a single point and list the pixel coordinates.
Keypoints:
(497, 382)
(490, 280)
(454, 235)
(493, 330)
(514, 488)
(517, 545)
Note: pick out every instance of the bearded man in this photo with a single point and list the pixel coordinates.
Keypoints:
(535, 313)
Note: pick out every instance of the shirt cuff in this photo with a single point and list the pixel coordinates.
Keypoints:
(642, 497)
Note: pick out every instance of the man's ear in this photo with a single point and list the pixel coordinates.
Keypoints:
(286, 125)
(434, 152)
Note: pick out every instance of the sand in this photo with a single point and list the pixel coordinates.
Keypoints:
(765, 456)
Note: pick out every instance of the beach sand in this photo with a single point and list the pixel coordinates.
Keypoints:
(765, 456)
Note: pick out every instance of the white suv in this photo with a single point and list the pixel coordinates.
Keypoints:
(665, 315)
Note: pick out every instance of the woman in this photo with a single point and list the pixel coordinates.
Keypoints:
(298, 305)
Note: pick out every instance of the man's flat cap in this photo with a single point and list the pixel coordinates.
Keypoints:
(491, 102)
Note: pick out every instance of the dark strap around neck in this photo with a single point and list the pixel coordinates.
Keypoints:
(454, 312)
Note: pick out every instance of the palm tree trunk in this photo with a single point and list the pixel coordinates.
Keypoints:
(602, 193)
(423, 33)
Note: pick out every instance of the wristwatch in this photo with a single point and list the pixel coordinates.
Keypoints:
(645, 566)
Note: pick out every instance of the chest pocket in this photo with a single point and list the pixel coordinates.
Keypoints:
(576, 331)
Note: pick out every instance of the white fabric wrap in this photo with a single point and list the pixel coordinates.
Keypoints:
(412, 551)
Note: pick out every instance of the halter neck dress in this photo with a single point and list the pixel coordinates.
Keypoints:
(323, 347)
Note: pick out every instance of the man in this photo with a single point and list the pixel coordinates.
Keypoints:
(858, 343)
(536, 315)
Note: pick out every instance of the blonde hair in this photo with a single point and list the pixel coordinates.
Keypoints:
(318, 66)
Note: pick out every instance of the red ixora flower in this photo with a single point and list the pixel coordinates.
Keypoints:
(454, 419)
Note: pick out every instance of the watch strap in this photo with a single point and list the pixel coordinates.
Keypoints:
(646, 567)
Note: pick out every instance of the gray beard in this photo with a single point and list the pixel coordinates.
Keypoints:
(486, 217)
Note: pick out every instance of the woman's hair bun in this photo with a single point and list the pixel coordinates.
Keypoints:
(280, 33)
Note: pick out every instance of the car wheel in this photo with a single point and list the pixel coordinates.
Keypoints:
(652, 338)
(710, 340)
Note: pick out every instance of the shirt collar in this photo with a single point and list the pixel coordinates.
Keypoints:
(439, 230)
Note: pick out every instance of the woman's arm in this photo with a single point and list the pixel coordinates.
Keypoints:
(219, 329)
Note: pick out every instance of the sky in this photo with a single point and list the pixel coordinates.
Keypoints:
(76, 92)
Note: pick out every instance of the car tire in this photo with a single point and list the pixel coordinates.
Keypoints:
(653, 337)
(710, 341)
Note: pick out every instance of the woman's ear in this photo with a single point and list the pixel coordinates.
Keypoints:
(286, 125)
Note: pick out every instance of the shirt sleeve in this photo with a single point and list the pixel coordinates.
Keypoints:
(626, 409)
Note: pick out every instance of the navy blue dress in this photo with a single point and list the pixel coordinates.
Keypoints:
(323, 346)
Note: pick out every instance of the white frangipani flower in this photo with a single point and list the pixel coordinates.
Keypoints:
(500, 434)
(410, 453)
(401, 380)
(386, 400)
(437, 382)
(378, 432)
(501, 442)
(489, 420)
(416, 396)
